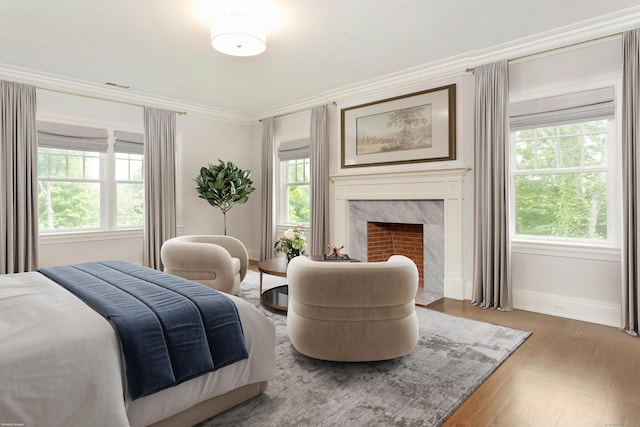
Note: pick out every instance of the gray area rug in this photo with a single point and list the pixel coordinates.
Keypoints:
(453, 357)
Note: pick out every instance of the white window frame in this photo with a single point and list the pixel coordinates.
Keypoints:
(108, 214)
(606, 249)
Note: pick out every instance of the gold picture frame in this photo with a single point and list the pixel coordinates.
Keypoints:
(413, 128)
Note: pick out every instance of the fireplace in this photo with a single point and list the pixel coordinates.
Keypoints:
(389, 238)
(433, 198)
(425, 215)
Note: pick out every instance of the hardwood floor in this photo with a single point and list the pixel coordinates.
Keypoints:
(568, 373)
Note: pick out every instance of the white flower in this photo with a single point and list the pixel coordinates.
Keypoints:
(289, 234)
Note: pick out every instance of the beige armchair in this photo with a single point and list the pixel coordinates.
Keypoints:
(353, 312)
(219, 262)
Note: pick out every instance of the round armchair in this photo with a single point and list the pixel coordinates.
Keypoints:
(353, 312)
(219, 262)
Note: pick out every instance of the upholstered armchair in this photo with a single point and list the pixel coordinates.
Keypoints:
(353, 312)
(219, 262)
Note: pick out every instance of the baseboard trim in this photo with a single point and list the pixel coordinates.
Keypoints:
(568, 307)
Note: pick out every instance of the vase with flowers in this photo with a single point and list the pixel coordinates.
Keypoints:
(292, 243)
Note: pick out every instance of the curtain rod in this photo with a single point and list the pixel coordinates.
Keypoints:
(472, 70)
(330, 104)
(102, 98)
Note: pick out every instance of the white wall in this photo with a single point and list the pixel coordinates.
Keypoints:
(204, 141)
(200, 140)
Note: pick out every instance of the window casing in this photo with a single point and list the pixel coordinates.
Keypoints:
(563, 178)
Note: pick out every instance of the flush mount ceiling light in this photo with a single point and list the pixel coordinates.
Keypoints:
(238, 35)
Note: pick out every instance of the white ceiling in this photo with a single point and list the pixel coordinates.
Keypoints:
(162, 48)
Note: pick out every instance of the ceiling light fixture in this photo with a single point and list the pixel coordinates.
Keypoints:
(238, 35)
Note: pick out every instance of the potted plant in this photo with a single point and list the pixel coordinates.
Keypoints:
(224, 185)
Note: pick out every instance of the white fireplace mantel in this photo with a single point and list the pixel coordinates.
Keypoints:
(435, 184)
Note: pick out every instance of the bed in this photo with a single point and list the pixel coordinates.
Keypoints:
(61, 364)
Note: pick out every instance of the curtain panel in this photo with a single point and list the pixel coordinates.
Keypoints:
(492, 258)
(319, 164)
(18, 178)
(159, 182)
(268, 225)
(631, 182)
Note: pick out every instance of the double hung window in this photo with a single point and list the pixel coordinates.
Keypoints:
(294, 200)
(87, 183)
(562, 168)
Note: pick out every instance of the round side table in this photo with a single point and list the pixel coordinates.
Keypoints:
(275, 297)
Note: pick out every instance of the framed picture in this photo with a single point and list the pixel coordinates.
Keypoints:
(419, 127)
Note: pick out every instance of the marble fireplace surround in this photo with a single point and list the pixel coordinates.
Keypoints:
(428, 213)
(444, 185)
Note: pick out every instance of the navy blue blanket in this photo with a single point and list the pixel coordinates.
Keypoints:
(170, 329)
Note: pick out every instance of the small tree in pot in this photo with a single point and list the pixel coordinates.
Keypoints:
(224, 185)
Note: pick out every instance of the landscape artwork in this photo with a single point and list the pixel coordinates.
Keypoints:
(412, 128)
(405, 129)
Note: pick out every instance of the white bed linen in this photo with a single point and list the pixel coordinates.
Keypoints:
(60, 362)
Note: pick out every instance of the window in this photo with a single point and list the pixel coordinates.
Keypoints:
(561, 174)
(69, 188)
(295, 202)
(86, 183)
(296, 185)
(129, 173)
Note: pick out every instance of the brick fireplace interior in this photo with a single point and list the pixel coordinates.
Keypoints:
(385, 239)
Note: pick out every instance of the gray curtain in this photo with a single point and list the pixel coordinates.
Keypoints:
(631, 181)
(18, 179)
(159, 182)
(268, 225)
(319, 164)
(492, 258)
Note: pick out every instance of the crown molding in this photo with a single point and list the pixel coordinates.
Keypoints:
(581, 32)
(456, 66)
(67, 85)
(405, 79)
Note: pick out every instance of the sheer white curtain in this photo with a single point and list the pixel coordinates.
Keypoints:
(268, 225)
(159, 182)
(631, 181)
(319, 165)
(18, 178)
(492, 258)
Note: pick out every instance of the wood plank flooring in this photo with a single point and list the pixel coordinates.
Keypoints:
(568, 373)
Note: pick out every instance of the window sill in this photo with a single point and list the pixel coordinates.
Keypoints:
(88, 236)
(566, 250)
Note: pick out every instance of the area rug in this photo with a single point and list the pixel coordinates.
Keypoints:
(453, 357)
